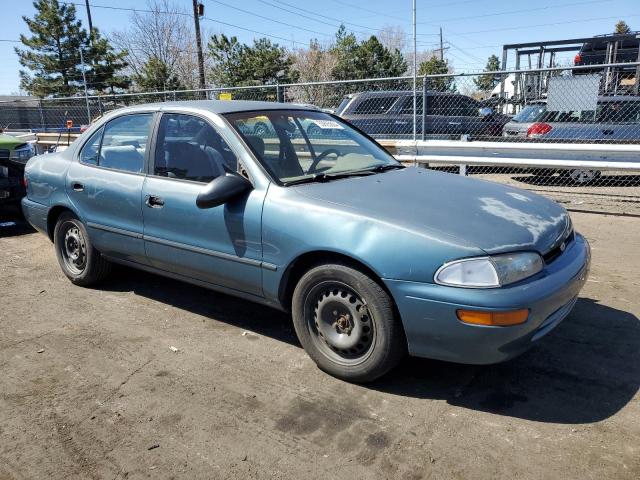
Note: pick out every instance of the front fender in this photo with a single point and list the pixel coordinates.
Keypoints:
(293, 225)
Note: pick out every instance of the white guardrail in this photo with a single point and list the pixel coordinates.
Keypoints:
(509, 154)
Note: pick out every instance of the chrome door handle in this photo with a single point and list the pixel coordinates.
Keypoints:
(77, 187)
(455, 123)
(154, 201)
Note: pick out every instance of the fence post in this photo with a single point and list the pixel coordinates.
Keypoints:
(279, 93)
(425, 88)
(41, 113)
(100, 106)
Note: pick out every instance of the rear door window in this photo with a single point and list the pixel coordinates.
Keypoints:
(124, 142)
(91, 150)
(375, 105)
(619, 112)
(407, 105)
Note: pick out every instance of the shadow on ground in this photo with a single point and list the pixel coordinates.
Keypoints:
(585, 371)
(563, 181)
(12, 222)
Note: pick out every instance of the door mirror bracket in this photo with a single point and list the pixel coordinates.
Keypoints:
(222, 189)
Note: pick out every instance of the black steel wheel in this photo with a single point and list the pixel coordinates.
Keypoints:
(80, 262)
(339, 322)
(346, 322)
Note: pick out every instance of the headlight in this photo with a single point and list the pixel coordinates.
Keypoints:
(22, 153)
(489, 272)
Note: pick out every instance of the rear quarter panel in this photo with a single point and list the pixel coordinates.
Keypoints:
(46, 176)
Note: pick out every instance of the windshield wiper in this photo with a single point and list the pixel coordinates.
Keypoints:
(386, 167)
(325, 177)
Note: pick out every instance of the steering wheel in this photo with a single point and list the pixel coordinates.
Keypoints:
(320, 157)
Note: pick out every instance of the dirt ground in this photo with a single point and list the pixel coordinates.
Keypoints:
(91, 388)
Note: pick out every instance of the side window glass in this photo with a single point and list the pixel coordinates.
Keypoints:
(375, 105)
(407, 105)
(189, 148)
(435, 105)
(91, 149)
(125, 141)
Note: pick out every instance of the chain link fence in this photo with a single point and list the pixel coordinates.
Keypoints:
(594, 104)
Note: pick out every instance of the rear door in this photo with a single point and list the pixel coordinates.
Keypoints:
(371, 114)
(619, 121)
(445, 112)
(105, 185)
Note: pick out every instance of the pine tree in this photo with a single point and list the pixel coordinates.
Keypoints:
(435, 66)
(622, 27)
(236, 64)
(104, 66)
(488, 82)
(155, 77)
(226, 57)
(52, 56)
(267, 63)
(367, 59)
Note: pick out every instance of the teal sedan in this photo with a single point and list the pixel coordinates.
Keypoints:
(373, 259)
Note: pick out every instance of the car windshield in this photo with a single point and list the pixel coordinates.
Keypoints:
(530, 113)
(297, 146)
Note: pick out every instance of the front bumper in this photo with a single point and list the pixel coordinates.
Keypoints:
(428, 311)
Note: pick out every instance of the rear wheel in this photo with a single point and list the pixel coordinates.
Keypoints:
(80, 262)
(347, 324)
(583, 176)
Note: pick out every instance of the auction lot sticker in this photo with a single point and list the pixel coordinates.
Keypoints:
(328, 124)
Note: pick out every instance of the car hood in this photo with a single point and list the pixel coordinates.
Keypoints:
(7, 141)
(493, 217)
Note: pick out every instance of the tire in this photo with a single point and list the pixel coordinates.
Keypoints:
(347, 323)
(314, 131)
(80, 262)
(580, 176)
(261, 130)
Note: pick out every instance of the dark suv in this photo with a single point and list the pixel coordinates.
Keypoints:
(608, 49)
(448, 114)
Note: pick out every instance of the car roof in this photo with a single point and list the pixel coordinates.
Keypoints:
(387, 93)
(218, 106)
(601, 98)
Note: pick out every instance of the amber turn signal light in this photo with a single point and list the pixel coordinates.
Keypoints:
(496, 319)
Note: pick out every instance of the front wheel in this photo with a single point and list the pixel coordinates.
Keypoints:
(80, 262)
(347, 324)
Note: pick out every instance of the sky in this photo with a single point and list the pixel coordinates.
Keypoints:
(472, 29)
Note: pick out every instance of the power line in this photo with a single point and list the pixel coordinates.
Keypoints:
(317, 15)
(269, 19)
(473, 57)
(358, 7)
(141, 10)
(511, 12)
(551, 24)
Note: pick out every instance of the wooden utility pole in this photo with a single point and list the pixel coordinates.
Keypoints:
(89, 20)
(441, 46)
(196, 19)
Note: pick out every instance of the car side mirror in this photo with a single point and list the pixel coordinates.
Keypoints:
(222, 189)
(485, 111)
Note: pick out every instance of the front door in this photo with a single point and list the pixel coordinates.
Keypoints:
(105, 185)
(220, 245)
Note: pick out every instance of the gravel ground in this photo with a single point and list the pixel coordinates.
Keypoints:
(91, 387)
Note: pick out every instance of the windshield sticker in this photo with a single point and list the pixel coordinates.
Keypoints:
(328, 124)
